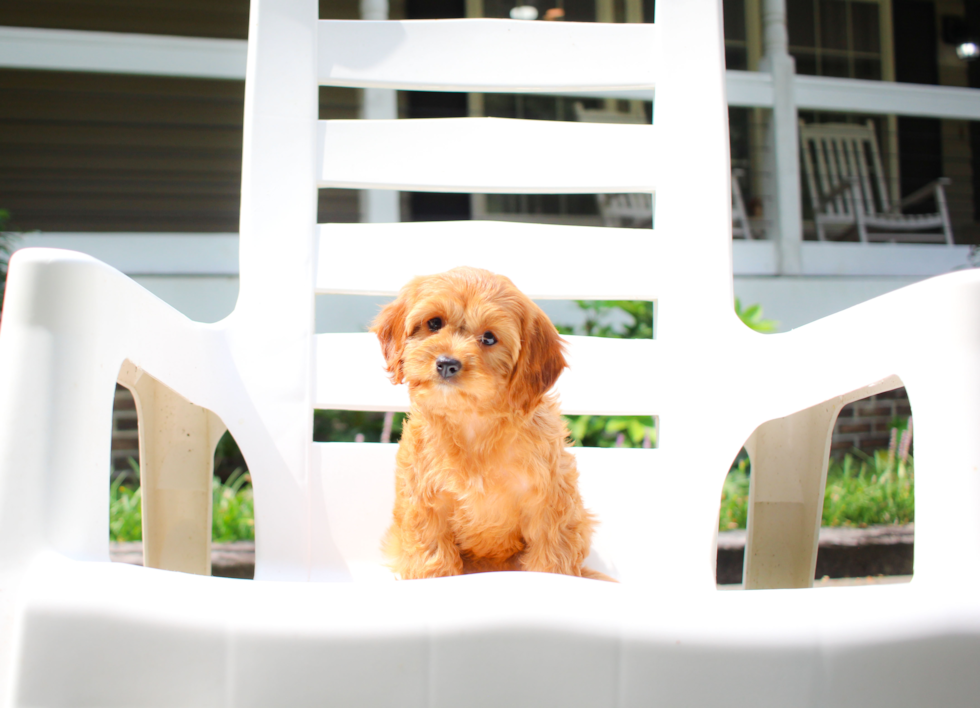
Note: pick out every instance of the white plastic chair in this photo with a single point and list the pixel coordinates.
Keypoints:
(323, 623)
(848, 193)
(636, 210)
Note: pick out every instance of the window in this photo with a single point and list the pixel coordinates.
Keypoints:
(835, 38)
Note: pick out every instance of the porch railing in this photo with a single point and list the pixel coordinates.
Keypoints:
(777, 88)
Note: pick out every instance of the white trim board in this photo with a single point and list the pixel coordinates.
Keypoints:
(882, 259)
(860, 96)
(754, 88)
(115, 52)
(119, 53)
(755, 258)
(205, 254)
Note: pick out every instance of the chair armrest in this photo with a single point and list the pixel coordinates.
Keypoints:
(937, 365)
(922, 194)
(69, 322)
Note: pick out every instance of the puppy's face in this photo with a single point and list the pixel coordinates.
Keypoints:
(469, 340)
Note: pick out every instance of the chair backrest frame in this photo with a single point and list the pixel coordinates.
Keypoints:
(689, 262)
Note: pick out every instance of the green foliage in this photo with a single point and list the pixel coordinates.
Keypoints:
(612, 431)
(862, 490)
(345, 426)
(125, 512)
(734, 512)
(598, 311)
(752, 318)
(232, 517)
(227, 457)
(233, 510)
(869, 489)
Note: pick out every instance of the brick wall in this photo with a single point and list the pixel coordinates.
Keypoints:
(865, 424)
(125, 438)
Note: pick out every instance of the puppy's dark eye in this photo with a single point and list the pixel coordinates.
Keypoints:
(435, 324)
(488, 339)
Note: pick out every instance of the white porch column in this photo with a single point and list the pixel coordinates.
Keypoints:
(378, 205)
(783, 169)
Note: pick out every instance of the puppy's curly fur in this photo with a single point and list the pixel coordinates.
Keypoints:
(484, 481)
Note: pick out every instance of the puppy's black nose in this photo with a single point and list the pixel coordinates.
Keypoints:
(448, 367)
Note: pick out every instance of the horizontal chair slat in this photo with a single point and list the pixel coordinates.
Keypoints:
(486, 155)
(486, 55)
(351, 376)
(545, 261)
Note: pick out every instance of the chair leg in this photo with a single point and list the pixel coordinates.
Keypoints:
(177, 441)
(944, 213)
(789, 472)
(862, 228)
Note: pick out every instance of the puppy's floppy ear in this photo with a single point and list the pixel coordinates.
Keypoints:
(389, 326)
(540, 362)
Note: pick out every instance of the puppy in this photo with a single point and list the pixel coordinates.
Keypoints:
(484, 481)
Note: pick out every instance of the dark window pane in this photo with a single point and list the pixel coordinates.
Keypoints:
(503, 203)
(867, 69)
(734, 19)
(800, 23)
(543, 204)
(834, 66)
(578, 10)
(648, 8)
(738, 132)
(916, 56)
(437, 104)
(833, 24)
(806, 63)
(920, 149)
(864, 27)
(619, 10)
(500, 105)
(434, 9)
(581, 204)
(430, 206)
(497, 8)
(539, 107)
(736, 58)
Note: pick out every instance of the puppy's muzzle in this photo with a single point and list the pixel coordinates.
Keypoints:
(448, 367)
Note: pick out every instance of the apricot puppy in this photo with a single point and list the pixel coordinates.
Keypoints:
(484, 481)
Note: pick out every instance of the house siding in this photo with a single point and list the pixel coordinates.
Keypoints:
(87, 152)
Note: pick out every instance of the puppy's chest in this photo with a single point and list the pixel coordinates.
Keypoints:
(490, 501)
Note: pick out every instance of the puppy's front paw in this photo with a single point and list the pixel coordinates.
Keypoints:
(437, 564)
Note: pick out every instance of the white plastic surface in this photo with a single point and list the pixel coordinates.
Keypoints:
(485, 55)
(479, 154)
(583, 388)
(347, 262)
(323, 623)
